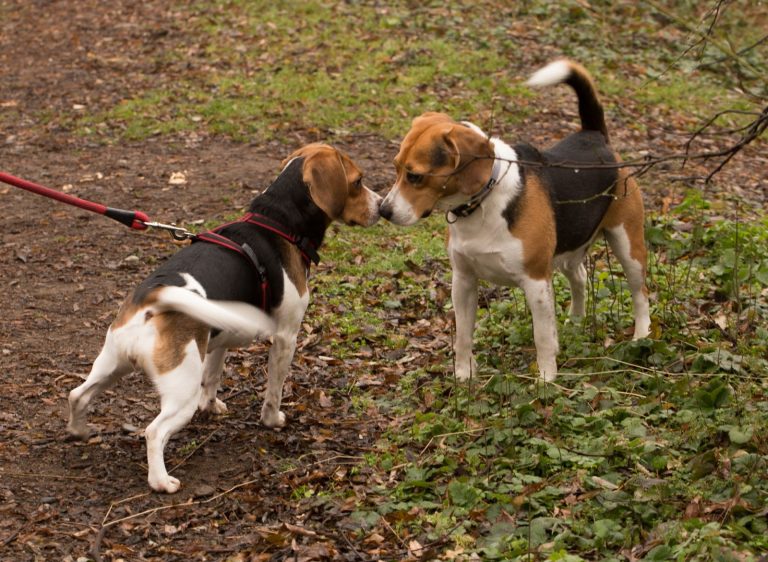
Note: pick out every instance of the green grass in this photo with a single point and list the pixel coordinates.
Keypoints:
(652, 447)
(334, 69)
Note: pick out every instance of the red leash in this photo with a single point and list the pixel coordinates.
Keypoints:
(133, 219)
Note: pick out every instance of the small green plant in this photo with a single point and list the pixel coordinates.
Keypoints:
(634, 439)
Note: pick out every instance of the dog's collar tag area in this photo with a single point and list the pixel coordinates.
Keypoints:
(474, 202)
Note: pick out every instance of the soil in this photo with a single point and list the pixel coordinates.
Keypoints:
(65, 271)
(63, 274)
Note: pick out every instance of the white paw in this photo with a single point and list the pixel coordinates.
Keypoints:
(219, 407)
(272, 418)
(574, 318)
(214, 406)
(641, 332)
(79, 432)
(466, 369)
(548, 377)
(167, 484)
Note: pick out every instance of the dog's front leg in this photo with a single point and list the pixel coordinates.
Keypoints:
(540, 298)
(280, 357)
(464, 296)
(288, 318)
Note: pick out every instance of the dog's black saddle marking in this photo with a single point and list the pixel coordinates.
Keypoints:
(580, 197)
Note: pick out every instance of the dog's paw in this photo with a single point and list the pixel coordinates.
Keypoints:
(219, 407)
(77, 433)
(213, 407)
(466, 369)
(574, 319)
(272, 418)
(641, 332)
(166, 483)
(548, 377)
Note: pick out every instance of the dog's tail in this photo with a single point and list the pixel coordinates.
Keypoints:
(238, 318)
(577, 77)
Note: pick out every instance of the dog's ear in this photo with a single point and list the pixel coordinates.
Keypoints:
(472, 155)
(326, 180)
(299, 153)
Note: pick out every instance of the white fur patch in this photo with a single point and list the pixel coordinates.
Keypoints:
(554, 73)
(475, 128)
(374, 202)
(193, 284)
(403, 213)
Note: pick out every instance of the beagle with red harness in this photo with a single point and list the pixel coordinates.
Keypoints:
(516, 214)
(243, 280)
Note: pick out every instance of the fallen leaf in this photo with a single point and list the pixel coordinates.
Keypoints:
(178, 178)
(603, 483)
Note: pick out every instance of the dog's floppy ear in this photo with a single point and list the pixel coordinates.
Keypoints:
(473, 158)
(326, 179)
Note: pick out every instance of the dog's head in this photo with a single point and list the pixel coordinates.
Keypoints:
(335, 185)
(440, 165)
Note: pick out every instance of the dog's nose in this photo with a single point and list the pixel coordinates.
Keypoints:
(385, 210)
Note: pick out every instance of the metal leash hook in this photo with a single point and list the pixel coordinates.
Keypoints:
(177, 232)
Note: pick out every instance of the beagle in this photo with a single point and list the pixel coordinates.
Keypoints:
(243, 280)
(516, 213)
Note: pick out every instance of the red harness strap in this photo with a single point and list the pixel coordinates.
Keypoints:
(308, 249)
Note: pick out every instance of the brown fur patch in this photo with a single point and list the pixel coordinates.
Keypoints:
(174, 332)
(294, 265)
(335, 183)
(627, 210)
(451, 157)
(535, 228)
(129, 308)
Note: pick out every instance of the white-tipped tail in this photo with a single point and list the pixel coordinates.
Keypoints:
(234, 317)
(555, 72)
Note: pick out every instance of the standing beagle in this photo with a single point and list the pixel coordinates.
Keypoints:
(243, 280)
(517, 213)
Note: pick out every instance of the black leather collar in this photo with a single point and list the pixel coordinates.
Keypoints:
(474, 202)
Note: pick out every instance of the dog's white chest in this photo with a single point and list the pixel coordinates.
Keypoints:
(495, 256)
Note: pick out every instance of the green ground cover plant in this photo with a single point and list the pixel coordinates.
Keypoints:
(649, 449)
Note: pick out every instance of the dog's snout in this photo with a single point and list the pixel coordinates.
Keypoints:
(385, 210)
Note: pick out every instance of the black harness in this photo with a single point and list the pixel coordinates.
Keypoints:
(307, 249)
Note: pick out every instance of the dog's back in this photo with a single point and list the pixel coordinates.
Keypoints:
(579, 170)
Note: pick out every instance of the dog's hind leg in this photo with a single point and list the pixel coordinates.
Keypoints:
(106, 371)
(179, 391)
(574, 270)
(212, 370)
(629, 247)
(625, 232)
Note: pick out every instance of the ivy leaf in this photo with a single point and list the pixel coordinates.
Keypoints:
(462, 494)
(660, 553)
(739, 436)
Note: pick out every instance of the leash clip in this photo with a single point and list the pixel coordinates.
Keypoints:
(176, 232)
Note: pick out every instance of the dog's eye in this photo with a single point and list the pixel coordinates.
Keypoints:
(358, 184)
(413, 178)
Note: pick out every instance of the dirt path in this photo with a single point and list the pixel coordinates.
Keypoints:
(63, 273)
